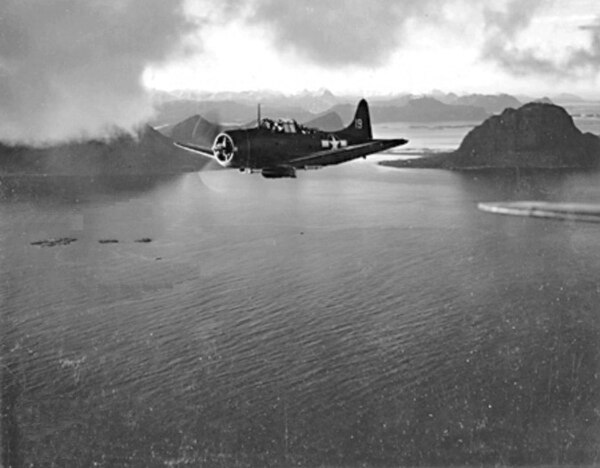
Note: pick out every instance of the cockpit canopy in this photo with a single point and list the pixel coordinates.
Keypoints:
(284, 126)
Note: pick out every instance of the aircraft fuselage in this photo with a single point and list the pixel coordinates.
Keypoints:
(258, 148)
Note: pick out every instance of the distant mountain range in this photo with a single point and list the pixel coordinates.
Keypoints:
(425, 109)
(241, 107)
(402, 108)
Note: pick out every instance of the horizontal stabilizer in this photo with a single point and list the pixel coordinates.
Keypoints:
(340, 155)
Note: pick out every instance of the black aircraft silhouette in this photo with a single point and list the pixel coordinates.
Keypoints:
(278, 148)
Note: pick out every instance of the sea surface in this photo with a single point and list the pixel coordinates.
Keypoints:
(355, 316)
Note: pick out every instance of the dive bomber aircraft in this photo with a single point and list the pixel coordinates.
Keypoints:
(278, 148)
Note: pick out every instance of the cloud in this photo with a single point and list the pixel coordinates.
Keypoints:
(72, 69)
(502, 45)
(588, 58)
(334, 33)
(339, 32)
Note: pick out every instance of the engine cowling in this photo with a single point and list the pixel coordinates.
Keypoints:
(224, 149)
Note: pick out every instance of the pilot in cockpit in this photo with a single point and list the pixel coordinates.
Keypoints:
(267, 124)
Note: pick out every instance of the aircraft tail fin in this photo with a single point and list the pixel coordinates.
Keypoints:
(360, 127)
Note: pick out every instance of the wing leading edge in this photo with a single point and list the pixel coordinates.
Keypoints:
(206, 152)
(340, 155)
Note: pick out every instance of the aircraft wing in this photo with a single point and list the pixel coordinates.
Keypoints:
(347, 153)
(206, 152)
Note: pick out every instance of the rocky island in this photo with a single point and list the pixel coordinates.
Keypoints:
(537, 136)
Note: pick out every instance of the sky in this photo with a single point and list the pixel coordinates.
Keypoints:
(72, 69)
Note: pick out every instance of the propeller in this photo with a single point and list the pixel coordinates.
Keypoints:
(197, 130)
(211, 134)
(223, 148)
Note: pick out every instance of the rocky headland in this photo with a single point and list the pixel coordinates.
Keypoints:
(536, 136)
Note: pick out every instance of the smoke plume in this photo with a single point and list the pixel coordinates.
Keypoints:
(72, 69)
